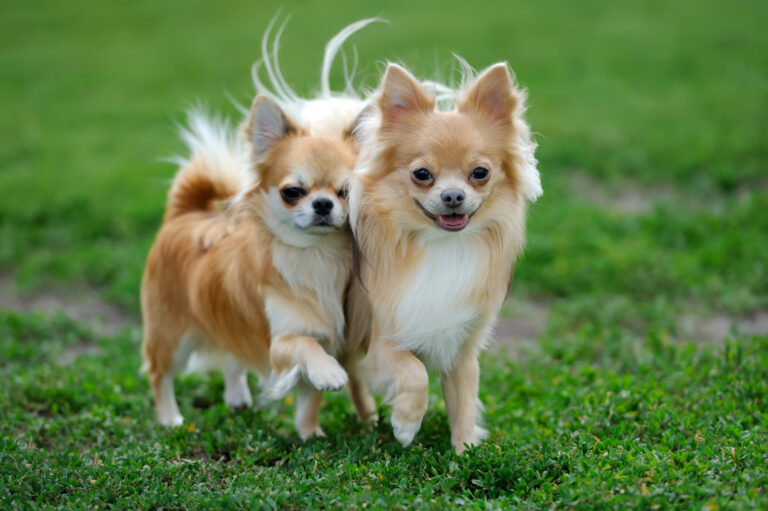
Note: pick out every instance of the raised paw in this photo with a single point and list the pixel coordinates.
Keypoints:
(327, 374)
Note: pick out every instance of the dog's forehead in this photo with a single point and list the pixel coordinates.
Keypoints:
(451, 138)
(322, 162)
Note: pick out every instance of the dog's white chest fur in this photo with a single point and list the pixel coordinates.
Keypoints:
(435, 314)
(317, 276)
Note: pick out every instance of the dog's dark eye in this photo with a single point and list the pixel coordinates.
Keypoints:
(292, 193)
(343, 193)
(421, 176)
(480, 174)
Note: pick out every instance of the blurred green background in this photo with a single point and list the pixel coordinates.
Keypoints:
(652, 234)
(651, 118)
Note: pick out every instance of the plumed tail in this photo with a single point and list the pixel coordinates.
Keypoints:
(215, 170)
(326, 113)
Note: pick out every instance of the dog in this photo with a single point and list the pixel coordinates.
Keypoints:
(253, 259)
(438, 206)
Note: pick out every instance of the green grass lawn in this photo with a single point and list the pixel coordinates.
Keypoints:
(652, 120)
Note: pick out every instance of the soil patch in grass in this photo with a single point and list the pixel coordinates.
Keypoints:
(76, 302)
(521, 324)
(716, 328)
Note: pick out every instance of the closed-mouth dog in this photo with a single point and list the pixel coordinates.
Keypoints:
(438, 208)
(253, 259)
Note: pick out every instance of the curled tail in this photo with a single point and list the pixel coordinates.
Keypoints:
(215, 169)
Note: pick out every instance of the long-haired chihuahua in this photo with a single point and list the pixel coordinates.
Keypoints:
(438, 207)
(253, 260)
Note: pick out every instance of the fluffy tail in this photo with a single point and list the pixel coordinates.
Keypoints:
(311, 111)
(214, 170)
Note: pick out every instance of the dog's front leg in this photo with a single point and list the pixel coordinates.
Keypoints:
(290, 352)
(365, 405)
(460, 386)
(403, 379)
(307, 411)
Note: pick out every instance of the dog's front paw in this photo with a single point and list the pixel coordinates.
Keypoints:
(405, 432)
(169, 418)
(462, 442)
(306, 432)
(327, 374)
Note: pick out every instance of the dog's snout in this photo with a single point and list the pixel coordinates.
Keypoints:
(322, 206)
(453, 198)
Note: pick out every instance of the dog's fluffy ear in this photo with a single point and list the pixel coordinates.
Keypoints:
(401, 95)
(266, 126)
(492, 95)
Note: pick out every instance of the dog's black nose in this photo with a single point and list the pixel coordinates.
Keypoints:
(322, 206)
(453, 198)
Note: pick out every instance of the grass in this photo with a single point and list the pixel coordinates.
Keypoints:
(617, 407)
(578, 425)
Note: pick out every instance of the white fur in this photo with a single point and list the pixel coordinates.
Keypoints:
(295, 227)
(331, 376)
(327, 375)
(322, 269)
(282, 222)
(166, 409)
(284, 319)
(405, 432)
(329, 113)
(212, 141)
(435, 315)
(330, 117)
(480, 432)
(333, 47)
(304, 216)
(207, 357)
(277, 385)
(236, 391)
(202, 361)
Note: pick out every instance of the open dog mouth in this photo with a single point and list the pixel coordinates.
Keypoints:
(451, 222)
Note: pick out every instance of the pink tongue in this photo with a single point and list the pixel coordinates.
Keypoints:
(453, 221)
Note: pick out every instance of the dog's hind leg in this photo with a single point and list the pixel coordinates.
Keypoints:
(163, 358)
(365, 405)
(237, 394)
